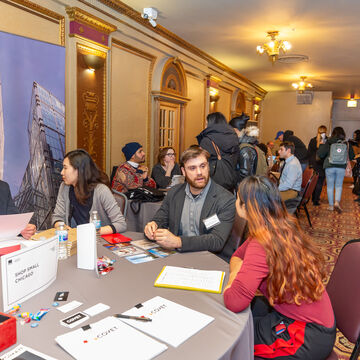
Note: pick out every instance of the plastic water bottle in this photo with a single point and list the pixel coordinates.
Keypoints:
(97, 222)
(63, 240)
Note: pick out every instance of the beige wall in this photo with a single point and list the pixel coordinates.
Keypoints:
(128, 101)
(194, 118)
(224, 103)
(280, 112)
(21, 22)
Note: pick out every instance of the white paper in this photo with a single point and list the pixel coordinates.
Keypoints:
(86, 247)
(28, 271)
(109, 338)
(96, 309)
(69, 306)
(171, 322)
(12, 225)
(25, 353)
(207, 280)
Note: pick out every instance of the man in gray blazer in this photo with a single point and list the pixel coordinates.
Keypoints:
(197, 215)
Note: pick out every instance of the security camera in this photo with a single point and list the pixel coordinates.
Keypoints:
(151, 14)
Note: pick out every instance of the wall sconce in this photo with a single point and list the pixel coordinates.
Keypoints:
(93, 62)
(352, 103)
(214, 94)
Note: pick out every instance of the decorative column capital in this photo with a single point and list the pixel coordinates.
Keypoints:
(89, 26)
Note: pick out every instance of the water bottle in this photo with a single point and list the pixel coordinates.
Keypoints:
(97, 222)
(62, 235)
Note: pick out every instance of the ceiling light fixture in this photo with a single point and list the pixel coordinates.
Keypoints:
(302, 85)
(274, 46)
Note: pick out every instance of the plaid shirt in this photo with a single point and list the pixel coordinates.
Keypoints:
(127, 178)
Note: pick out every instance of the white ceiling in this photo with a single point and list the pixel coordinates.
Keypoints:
(327, 31)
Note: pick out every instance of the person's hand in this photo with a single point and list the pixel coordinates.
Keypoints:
(167, 239)
(235, 266)
(169, 165)
(28, 232)
(150, 229)
(144, 170)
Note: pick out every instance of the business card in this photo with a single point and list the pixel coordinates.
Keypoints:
(74, 320)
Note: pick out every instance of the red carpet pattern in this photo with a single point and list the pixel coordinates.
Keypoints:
(331, 231)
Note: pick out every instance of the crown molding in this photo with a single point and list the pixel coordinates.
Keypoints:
(128, 11)
(81, 16)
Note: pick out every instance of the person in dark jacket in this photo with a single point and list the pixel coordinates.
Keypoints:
(316, 163)
(223, 136)
(300, 149)
(166, 168)
(334, 173)
(248, 155)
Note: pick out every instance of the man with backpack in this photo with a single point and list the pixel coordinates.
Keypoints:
(252, 160)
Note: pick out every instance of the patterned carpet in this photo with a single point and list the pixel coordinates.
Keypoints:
(331, 231)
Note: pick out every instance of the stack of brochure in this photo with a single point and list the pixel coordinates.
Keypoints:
(139, 251)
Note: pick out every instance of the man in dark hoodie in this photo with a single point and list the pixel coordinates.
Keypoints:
(219, 134)
(300, 149)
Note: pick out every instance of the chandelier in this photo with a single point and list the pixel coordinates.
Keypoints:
(274, 46)
(302, 85)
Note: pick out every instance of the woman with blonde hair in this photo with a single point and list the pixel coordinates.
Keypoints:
(316, 163)
(294, 319)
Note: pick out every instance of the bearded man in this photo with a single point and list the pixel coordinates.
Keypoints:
(197, 215)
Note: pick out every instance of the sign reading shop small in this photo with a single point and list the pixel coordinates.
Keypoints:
(27, 272)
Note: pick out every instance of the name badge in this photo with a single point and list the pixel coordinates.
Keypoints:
(211, 221)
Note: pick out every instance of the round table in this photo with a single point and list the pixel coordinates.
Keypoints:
(229, 336)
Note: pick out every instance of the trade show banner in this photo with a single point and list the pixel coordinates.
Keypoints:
(32, 123)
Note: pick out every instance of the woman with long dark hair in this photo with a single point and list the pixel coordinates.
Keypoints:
(316, 163)
(295, 318)
(334, 172)
(84, 189)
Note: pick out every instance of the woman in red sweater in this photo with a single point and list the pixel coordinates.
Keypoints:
(294, 319)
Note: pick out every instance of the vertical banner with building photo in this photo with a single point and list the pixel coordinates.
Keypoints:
(32, 123)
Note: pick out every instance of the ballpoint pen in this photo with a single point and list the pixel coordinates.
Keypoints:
(141, 318)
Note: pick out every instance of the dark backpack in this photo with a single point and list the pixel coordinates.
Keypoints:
(222, 172)
(143, 194)
(338, 153)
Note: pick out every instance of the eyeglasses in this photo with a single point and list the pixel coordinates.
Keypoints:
(171, 154)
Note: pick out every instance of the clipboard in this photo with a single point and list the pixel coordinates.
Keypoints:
(191, 279)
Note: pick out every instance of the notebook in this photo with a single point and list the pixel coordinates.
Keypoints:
(171, 322)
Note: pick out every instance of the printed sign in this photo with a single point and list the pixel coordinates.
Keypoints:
(27, 272)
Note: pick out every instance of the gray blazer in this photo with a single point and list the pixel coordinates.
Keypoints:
(103, 201)
(218, 201)
(7, 206)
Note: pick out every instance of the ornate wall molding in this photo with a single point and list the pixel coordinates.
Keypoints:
(91, 104)
(81, 16)
(89, 26)
(43, 12)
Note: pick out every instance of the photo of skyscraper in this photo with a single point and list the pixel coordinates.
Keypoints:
(32, 123)
(41, 181)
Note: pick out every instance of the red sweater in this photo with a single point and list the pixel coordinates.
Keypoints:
(127, 178)
(253, 275)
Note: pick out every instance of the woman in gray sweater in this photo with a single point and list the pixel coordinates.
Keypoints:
(84, 189)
